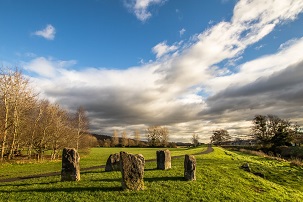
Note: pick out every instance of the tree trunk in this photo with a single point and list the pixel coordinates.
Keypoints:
(6, 125)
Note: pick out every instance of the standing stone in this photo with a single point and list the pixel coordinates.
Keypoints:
(132, 169)
(246, 167)
(70, 165)
(141, 157)
(113, 162)
(189, 167)
(163, 159)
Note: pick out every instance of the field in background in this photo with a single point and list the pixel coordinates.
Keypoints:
(219, 178)
(95, 157)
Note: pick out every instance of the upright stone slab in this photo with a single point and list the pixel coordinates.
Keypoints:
(163, 159)
(189, 167)
(132, 169)
(141, 157)
(113, 162)
(70, 165)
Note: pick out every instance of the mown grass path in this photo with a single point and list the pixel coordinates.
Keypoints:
(207, 151)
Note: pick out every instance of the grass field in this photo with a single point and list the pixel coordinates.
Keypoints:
(96, 157)
(219, 178)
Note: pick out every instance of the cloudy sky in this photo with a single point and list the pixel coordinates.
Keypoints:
(192, 66)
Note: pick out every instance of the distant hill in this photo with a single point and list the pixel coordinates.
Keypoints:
(101, 137)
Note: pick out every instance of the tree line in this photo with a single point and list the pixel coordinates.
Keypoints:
(35, 125)
(268, 131)
(271, 131)
(155, 136)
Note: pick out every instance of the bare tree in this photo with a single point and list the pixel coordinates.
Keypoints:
(164, 136)
(157, 135)
(6, 105)
(88, 141)
(42, 138)
(23, 101)
(61, 130)
(137, 137)
(17, 99)
(35, 118)
(131, 142)
(37, 125)
(107, 143)
(219, 136)
(82, 124)
(115, 139)
(124, 139)
(195, 140)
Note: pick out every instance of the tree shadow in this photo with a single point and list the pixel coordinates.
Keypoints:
(156, 179)
(90, 172)
(29, 184)
(150, 169)
(69, 189)
(106, 180)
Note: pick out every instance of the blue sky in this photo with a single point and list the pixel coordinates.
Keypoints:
(102, 33)
(193, 66)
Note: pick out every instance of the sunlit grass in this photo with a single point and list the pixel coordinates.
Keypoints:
(219, 178)
(96, 157)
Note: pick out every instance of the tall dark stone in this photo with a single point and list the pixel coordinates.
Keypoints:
(113, 162)
(189, 167)
(70, 165)
(132, 169)
(163, 159)
(246, 167)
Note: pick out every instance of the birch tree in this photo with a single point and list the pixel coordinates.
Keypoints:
(17, 99)
(82, 125)
(124, 140)
(115, 139)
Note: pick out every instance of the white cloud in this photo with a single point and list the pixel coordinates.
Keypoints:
(140, 7)
(48, 32)
(210, 22)
(261, 67)
(259, 47)
(182, 31)
(168, 91)
(162, 49)
(48, 68)
(288, 44)
(227, 40)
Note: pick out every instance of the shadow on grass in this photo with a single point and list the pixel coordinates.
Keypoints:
(68, 189)
(150, 169)
(28, 184)
(156, 179)
(91, 172)
(106, 180)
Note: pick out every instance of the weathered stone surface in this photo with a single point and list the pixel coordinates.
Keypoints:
(189, 167)
(246, 167)
(70, 165)
(132, 169)
(163, 159)
(113, 162)
(141, 157)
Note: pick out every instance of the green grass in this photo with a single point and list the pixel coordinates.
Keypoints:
(96, 157)
(219, 178)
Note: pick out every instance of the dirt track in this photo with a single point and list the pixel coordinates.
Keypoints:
(207, 151)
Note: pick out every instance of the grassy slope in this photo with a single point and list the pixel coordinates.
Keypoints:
(219, 178)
